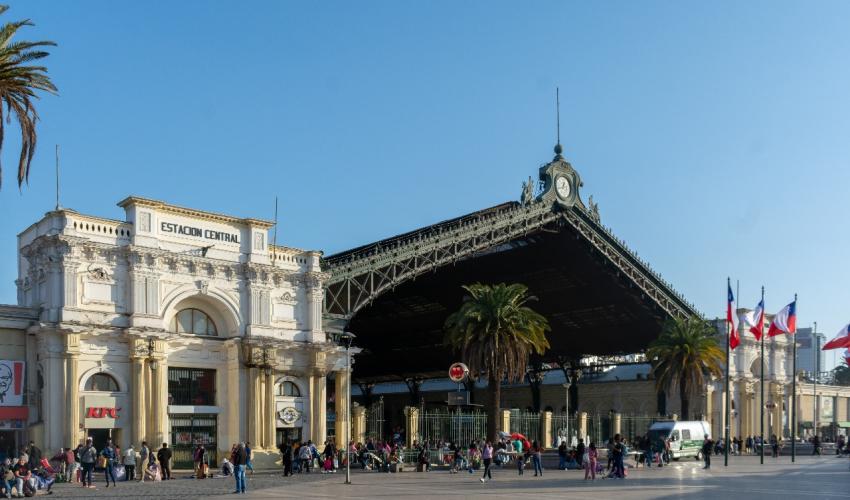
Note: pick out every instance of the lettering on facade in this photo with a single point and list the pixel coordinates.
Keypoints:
(102, 412)
(209, 234)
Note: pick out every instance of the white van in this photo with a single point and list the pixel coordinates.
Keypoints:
(686, 436)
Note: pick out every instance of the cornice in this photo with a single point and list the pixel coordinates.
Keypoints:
(191, 212)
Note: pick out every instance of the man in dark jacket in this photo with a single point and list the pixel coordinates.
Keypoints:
(286, 457)
(35, 456)
(707, 446)
(240, 460)
(164, 458)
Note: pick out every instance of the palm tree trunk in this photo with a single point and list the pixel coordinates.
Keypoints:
(683, 395)
(494, 386)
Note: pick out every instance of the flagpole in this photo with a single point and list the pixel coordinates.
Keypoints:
(761, 412)
(794, 398)
(815, 380)
(728, 412)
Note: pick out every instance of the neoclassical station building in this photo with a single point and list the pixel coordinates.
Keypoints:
(174, 325)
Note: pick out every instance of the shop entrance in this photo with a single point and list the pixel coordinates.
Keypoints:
(99, 437)
(284, 434)
(190, 430)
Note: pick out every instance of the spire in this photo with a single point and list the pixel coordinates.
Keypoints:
(558, 148)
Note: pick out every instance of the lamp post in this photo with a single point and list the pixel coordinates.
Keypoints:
(347, 338)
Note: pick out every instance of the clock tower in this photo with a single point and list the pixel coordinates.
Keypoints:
(560, 181)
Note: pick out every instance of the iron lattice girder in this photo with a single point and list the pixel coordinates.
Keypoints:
(359, 277)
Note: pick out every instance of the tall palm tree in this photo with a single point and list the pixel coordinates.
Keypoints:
(19, 82)
(685, 356)
(495, 332)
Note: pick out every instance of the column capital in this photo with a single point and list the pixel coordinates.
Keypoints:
(72, 344)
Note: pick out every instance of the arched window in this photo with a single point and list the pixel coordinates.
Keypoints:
(288, 389)
(101, 382)
(194, 321)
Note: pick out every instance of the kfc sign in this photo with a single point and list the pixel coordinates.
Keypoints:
(11, 383)
(94, 412)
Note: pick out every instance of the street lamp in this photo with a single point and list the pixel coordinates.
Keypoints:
(347, 338)
(572, 376)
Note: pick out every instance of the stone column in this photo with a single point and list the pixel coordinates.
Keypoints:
(319, 412)
(617, 423)
(72, 395)
(269, 416)
(253, 400)
(358, 424)
(159, 397)
(411, 414)
(506, 421)
(343, 419)
(546, 429)
(137, 387)
(582, 426)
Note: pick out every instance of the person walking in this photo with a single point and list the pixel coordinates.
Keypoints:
(70, 465)
(306, 457)
(589, 460)
(88, 457)
(487, 456)
(108, 452)
(286, 457)
(707, 445)
(816, 444)
(562, 455)
(537, 458)
(240, 460)
(163, 456)
(144, 456)
(249, 465)
(130, 463)
(618, 451)
(198, 460)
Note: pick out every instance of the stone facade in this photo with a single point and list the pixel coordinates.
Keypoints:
(172, 304)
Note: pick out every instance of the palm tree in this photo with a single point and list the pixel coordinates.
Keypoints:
(495, 332)
(684, 356)
(19, 82)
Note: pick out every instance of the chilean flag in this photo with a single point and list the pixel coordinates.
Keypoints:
(785, 320)
(842, 339)
(755, 320)
(734, 339)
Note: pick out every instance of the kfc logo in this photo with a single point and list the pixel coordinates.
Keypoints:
(100, 412)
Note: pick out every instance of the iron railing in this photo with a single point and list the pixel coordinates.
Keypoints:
(527, 423)
(452, 426)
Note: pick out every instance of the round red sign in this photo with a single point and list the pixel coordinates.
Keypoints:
(458, 372)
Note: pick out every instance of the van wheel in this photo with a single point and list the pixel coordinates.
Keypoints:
(699, 455)
(675, 459)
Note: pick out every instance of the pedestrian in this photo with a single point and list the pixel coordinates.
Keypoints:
(707, 445)
(286, 457)
(163, 456)
(610, 447)
(618, 451)
(562, 455)
(34, 454)
(774, 446)
(198, 460)
(130, 463)
(240, 460)
(88, 457)
(487, 456)
(748, 445)
(108, 453)
(71, 465)
(249, 464)
(144, 456)
(306, 457)
(537, 458)
(589, 460)
(816, 445)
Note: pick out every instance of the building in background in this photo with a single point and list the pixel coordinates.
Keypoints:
(806, 350)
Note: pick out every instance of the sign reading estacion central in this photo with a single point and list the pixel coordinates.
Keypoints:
(170, 227)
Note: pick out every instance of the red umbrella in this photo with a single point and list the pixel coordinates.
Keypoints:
(525, 444)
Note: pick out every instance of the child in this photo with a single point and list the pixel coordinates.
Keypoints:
(589, 461)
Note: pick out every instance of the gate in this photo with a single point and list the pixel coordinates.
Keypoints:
(526, 423)
(375, 420)
(187, 431)
(563, 426)
(454, 426)
(599, 429)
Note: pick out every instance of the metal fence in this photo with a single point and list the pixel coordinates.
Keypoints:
(633, 426)
(375, 420)
(526, 423)
(452, 425)
(598, 428)
(564, 425)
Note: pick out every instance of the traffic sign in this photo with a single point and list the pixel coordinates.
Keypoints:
(458, 372)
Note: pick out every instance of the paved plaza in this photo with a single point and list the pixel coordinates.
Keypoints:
(811, 477)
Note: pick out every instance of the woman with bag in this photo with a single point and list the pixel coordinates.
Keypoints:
(88, 457)
(108, 461)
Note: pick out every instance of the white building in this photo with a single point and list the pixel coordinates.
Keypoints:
(175, 325)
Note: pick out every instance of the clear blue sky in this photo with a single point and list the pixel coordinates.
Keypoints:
(714, 135)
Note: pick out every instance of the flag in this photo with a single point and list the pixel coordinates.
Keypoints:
(785, 320)
(734, 339)
(755, 320)
(842, 339)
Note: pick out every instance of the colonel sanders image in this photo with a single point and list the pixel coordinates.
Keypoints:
(5, 381)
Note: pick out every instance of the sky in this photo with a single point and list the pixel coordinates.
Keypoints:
(713, 135)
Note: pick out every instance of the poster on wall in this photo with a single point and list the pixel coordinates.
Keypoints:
(11, 383)
(826, 408)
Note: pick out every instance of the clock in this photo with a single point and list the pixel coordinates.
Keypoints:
(289, 415)
(562, 187)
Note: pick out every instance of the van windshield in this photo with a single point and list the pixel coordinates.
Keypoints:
(656, 434)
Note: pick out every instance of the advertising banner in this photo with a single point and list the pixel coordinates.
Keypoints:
(11, 383)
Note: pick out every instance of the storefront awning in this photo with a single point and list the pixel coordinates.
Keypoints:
(14, 412)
